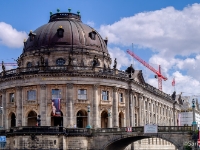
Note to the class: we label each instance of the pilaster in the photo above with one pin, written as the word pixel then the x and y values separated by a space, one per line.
pixel 19 102
pixel 43 106
pixel 96 121
pixel 115 108
pixel 70 118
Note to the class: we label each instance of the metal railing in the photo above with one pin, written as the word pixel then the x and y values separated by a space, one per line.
pixel 49 130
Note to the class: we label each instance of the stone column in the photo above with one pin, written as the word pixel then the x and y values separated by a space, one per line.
pixel 127 103
pixel 19 102
pixel 96 120
pixel 4 120
pixel 43 106
pixel 156 107
pixel 132 124
pixel 70 118
pixel 140 110
pixel 115 108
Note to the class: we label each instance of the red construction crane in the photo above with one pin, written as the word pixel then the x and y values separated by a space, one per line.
pixel 158 73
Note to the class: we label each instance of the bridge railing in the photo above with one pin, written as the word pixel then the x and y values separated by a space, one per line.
pixel 174 128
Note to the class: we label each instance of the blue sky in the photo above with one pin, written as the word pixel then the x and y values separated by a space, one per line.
pixel 165 32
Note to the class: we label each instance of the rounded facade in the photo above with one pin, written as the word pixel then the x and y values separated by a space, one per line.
pixel 64 68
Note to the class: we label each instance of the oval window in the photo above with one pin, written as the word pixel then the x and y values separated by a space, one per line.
pixel 60 61
pixel 29 64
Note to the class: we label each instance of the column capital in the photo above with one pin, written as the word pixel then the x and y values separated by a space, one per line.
pixel 43 86
pixel 18 88
pixel 131 91
pixel 115 89
pixel 95 86
pixel 70 85
pixel 2 91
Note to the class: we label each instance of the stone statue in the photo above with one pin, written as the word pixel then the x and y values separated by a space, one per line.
pixel 115 64
pixel 38 121
pixel 70 60
pixel 42 61
pixel 174 96
pixel 95 61
pixel 3 67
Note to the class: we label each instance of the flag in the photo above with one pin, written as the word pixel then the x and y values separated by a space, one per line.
pixel 173 82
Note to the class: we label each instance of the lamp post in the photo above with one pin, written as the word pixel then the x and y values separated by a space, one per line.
pixel 194 126
pixel 88 118
pixel 109 118
pixel 1 112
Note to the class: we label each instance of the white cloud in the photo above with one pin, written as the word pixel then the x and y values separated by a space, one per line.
pixel 167 31
pixel 123 60
pixel 90 23
pixel 11 37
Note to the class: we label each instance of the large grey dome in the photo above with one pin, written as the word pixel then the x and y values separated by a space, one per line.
pixel 75 35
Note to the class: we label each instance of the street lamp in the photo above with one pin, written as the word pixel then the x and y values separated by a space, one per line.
pixel 194 125
pixel 88 118
pixel 109 118
pixel 1 112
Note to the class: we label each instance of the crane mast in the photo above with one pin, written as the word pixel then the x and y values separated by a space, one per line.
pixel 158 73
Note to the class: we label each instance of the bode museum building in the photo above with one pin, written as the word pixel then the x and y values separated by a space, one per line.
pixel 65 78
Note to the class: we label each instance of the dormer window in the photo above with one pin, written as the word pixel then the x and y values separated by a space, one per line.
pixel 60 31
pixel 29 64
pixel 92 35
pixel 60 61
pixel 32 35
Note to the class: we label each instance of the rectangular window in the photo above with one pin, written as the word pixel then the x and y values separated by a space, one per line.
pixel 82 94
pixel 12 97
pixel 56 93
pixel 105 95
pixel 31 95
pixel 120 97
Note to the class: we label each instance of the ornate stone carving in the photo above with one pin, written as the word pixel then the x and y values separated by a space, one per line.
pixel 43 86
pixel 18 88
pixel 2 91
pixel 95 86
pixel 70 85
pixel 115 89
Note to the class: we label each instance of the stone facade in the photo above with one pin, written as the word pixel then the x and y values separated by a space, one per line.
pixel 80 74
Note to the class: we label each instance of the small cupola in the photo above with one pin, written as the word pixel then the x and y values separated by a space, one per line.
pixel 92 35
pixel 32 35
pixel 60 31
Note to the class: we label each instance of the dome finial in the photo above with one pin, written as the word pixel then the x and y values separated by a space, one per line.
pixel 78 12
pixel 58 10
pixel 69 9
pixel 51 13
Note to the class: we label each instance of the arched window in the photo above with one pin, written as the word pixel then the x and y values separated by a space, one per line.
pixel 29 64
pixel 60 61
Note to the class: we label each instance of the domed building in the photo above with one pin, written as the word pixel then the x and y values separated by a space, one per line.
pixel 65 67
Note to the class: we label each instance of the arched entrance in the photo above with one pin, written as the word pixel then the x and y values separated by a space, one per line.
pixel 81 119
pixel 121 119
pixel 104 119
pixel 32 118
pixel 12 120
pixel 57 120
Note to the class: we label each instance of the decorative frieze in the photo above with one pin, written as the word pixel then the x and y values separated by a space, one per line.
pixel 43 86
pixel 70 85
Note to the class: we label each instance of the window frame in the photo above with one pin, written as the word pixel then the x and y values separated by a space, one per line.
pixel 57 95
pixel 12 97
pixel 32 94
pixel 121 98
pixel 82 96
pixel 106 95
